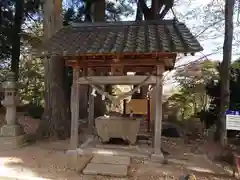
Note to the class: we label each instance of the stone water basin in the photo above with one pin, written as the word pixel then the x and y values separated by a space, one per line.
pixel 117 127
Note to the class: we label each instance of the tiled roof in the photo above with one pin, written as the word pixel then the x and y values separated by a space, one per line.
pixel 123 37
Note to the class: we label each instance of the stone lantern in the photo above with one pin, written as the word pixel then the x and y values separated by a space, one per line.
pixel 10 100
pixel 11 132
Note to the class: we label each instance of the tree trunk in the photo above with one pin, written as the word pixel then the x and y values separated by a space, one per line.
pixel 141 7
pixel 16 37
pixel 57 113
pixel 225 68
pixel 139 14
pixel 99 11
pixel 150 13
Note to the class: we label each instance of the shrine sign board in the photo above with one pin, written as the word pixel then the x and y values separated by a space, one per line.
pixel 233 120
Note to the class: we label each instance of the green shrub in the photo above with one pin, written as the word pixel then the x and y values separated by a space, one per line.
pixel 34 110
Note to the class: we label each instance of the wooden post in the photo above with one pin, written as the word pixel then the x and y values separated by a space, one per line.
pixel 74 109
pixel 148 114
pixel 124 107
pixel 157 153
pixel 90 111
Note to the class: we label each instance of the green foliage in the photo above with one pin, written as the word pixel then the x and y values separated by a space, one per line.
pixel 31 80
pixel 34 110
pixel 213 90
pixel 6 22
pixel 115 11
pixel 30 68
pixel 192 79
pixel 195 75
pixel 180 102
pixel 235 86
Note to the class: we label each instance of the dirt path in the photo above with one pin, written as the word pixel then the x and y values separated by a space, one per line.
pixel 49 162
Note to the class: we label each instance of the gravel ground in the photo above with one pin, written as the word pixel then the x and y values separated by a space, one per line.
pixel 48 161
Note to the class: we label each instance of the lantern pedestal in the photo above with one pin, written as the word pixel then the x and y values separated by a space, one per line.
pixel 12 137
pixel 11 130
pixel 8 143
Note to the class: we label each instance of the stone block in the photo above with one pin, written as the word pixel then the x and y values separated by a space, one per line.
pixel 157 157
pixel 106 170
pixel 11 130
pixel 109 159
pixel 8 143
pixel 77 162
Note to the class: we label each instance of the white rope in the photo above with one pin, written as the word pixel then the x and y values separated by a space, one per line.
pixel 116 100
pixel 94 92
pixel 103 97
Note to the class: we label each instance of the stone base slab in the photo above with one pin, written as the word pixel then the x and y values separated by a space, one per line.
pixel 8 143
pixel 109 159
pixel 76 162
pixel 102 151
pixel 11 130
pixel 106 170
pixel 157 157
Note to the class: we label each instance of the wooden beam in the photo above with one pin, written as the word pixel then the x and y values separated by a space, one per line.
pixel 102 57
pixel 117 80
pixel 124 62
pixel 126 69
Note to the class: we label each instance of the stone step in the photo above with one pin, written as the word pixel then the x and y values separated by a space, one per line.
pixel 106 170
pixel 109 159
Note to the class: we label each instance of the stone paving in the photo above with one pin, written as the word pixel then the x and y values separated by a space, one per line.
pixel 108 165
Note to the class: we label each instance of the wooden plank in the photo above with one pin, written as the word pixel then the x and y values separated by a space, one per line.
pixel 118 80
pixel 138 106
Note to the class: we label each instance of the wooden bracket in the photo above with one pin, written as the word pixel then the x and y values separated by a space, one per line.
pixel 117 70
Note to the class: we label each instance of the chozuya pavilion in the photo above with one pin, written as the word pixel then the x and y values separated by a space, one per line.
pixel 115 48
